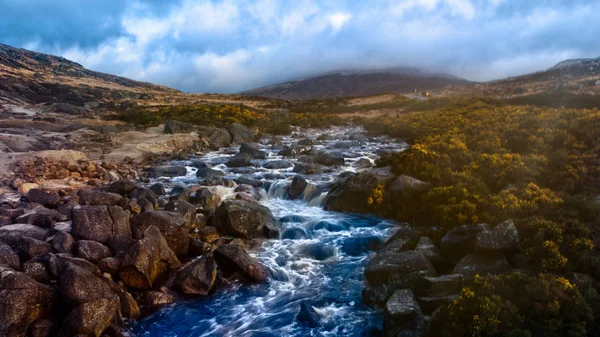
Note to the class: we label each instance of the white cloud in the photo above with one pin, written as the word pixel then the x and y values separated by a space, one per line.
pixel 338 20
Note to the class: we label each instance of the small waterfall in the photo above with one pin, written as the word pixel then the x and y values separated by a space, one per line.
pixel 278 189
pixel 319 201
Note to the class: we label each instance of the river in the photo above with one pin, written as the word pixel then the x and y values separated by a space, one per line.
pixel 318 260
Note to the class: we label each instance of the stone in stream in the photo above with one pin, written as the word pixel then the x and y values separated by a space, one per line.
pixel 239 160
pixel 123 187
pixel 167 171
pixel 240 134
pixel 234 261
pixel 254 150
pixel 206 199
pixel 217 137
pixel 294 233
pixel 24 301
pixel 158 189
pixel 179 192
pixel 297 187
pixel 205 173
pixel 324 158
pixel 307 315
pixel 198 277
pixel 309 168
pixel 246 220
pixel 278 164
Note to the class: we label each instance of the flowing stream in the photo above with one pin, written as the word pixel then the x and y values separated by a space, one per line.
pixel 318 260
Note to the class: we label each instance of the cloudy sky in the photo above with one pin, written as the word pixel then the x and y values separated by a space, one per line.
pixel 232 45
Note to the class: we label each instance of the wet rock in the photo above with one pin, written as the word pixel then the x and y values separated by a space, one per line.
pixel 317 251
pixel 240 134
pixel 355 246
pixel 293 218
pixel 147 259
pixel 141 193
pixel 235 262
pixel 167 171
pixel 46 198
pixel 155 299
pixel 10 231
pixel 78 285
pixel 208 234
pixel 294 233
pixel 8 257
pixel 245 220
pixel 172 226
pixel 307 315
pixel 98 198
pixel 91 250
pixel 249 181
pixel 461 240
pixel 240 160
pixel 146 205
pixel 502 238
pixel 182 207
pixel 179 192
pixel 198 277
pixel 172 126
pixel 324 158
pixel 297 187
pixel 254 150
pixel 198 247
pixel 122 187
pixel 206 199
pixel 90 319
pixel 306 142
pixel 403 316
pixel 205 173
pixel 24 301
pixel 308 168
pixel 278 164
pixel 158 189
pixel 128 305
pixel 363 163
pixel 358 137
pixel 482 265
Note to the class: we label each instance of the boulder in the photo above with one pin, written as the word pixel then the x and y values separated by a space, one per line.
pixel 90 318
pixel 403 316
pixel 217 138
pixel 482 265
pixel 297 187
pixel 246 220
pixel 444 285
pixel 167 171
pixel 24 300
pixel 306 142
pixel 198 277
pixel 179 192
pixel 122 187
pixel 324 158
pixel 199 247
pixel 141 193
pixel 182 207
pixel 78 285
pixel 41 217
pixel 46 198
pixel 308 315
pixel 92 223
pixel 147 259
pixel 172 225
pixel 109 265
pixel 426 247
pixel 205 173
pixel 254 150
pixel 350 194
pixel 208 234
pixel 396 269
pixel 29 248
pixel 11 231
pixel 239 160
pixel 158 189
pixel 153 299
pixel 37 271
pixel 240 134
pixel 8 257
pixel 42 327
pixel 308 168
pixel 278 164
pixel 502 238
pixel 172 126
pixel 363 163
pixel 206 199
pixel 461 240
pixel 129 307
pixel 235 262
pixel 91 250
pixel 99 198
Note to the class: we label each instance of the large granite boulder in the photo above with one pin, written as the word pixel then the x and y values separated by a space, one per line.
pixel 254 150
pixel 172 126
pixel 198 277
pixel 90 318
pixel 8 257
pixel 78 285
pixel 172 225
pixel 240 134
pixel 100 223
pixel 403 316
pixel 46 198
pixel 216 137
pixel 399 269
pixel 502 238
pixel 297 187
pixel 91 250
pixel 246 220
pixel 240 160
pixel 22 301
pixel 149 258
pixel 167 171
pixel 235 262
pixel 482 265
pixel 123 186
pixel 350 194
pixel 99 198
pixel 461 240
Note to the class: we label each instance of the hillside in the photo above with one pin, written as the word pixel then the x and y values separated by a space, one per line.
pixel 357 83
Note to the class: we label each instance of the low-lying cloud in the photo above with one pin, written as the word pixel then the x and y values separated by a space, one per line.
pixel 228 46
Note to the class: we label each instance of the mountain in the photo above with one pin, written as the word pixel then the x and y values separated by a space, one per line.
pixel 347 83
pixel 28 77
pixel 577 77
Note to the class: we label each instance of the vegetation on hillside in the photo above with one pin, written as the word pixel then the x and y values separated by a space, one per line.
pixel 487 161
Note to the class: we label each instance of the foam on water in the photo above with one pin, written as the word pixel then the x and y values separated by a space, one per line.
pixel 321 263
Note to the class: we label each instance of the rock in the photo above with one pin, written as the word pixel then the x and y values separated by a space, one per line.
pixel 430 304
pixel 397 270
pixel 173 228
pixel 278 164
pixel 172 126
pixel 141 193
pixel 23 301
pixel 325 159
pixel 123 187
pixel 198 247
pixel 307 315
pixel 254 150
pixel 147 259
pixel 204 173
pixel 208 234
pixel 297 187
pixel 461 240
pixel 405 183
pixel 29 248
pixel 10 231
pixel 351 194
pixel 167 171
pixel 239 160
pixel 426 247
pixel 98 198
pixel 92 223
pixel 355 246
pixel 155 299
pixel 308 168
pixel 317 251
pixel 158 189
pixel 91 250
pixel 403 316
pixel 182 207
pixel 306 142
pixel 294 233
pixel 206 199
pixel 58 263
pixel 42 327
pixel 502 238
pixel 24 188
pixel 358 137
pixel 363 163
pixel 39 196
pixel 444 285
pixel 179 192
pixel 233 260
pixel 198 277
pixel 129 306
pixel 8 257
pixel 37 271
pixel 217 138
pixel 245 220
pixel 90 318
pixel 240 134
pixel 482 265
pixel 109 265
pixel 121 234
pixel 78 285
